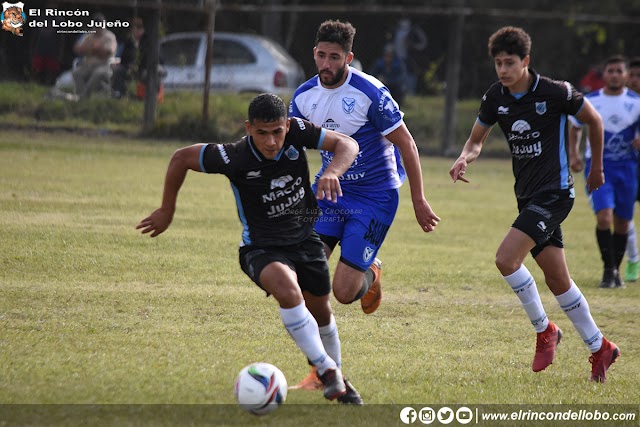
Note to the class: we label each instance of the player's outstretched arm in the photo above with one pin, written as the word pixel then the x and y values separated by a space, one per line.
pixel 182 160
pixel 595 131
pixel 402 138
pixel 470 151
pixel 344 149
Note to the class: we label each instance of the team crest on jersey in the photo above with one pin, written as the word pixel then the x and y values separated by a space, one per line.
pixel 367 254
pixel 541 107
pixel 292 153
pixel 348 104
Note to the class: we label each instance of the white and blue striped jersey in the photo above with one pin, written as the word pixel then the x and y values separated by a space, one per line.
pixel 363 109
pixel 621 120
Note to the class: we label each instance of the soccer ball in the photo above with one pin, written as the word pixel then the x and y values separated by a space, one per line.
pixel 260 388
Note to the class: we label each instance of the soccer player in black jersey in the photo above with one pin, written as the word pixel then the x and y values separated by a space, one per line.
pixel 280 251
pixel 532 112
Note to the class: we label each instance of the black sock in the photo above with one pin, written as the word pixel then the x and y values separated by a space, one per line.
pixel 619 248
pixel 605 242
pixel 366 284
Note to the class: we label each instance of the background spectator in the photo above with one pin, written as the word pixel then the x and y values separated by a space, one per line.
pixel 391 71
pixel 93 74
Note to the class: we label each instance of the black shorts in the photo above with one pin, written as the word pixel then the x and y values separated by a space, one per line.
pixel 307 259
pixel 541 215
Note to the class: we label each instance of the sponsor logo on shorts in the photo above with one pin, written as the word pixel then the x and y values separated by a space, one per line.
pixel 367 254
pixel 376 233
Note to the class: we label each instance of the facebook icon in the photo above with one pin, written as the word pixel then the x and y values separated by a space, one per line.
pixel 408 415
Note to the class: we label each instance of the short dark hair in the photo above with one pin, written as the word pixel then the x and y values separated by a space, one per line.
pixel 267 107
pixel 334 31
pixel 511 40
pixel 634 62
pixel 615 59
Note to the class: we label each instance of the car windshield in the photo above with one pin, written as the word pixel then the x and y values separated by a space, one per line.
pixel 276 51
pixel 230 52
pixel 180 52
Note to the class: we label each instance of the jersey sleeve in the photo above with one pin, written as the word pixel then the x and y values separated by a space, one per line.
pixel 294 111
pixel 297 107
pixel 303 133
pixel 488 115
pixel 572 99
pixel 575 122
pixel 217 158
pixel 384 113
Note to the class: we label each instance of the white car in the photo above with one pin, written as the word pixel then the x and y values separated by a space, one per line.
pixel 240 63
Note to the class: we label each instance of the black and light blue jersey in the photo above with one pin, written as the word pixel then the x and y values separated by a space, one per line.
pixel 363 109
pixel 274 199
pixel 535 126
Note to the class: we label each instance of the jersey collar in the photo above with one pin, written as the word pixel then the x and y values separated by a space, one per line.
pixel 257 153
pixel 532 88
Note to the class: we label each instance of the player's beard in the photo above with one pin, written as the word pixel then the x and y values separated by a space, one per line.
pixel 333 80
pixel 615 87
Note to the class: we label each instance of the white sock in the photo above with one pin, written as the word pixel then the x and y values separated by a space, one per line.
pixel 331 341
pixel 576 308
pixel 632 244
pixel 303 328
pixel 524 286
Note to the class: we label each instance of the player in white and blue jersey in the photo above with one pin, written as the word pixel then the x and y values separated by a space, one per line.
pixel 348 101
pixel 632 272
pixel 613 202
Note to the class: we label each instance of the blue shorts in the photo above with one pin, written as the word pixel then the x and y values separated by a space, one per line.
pixel 359 222
pixel 619 190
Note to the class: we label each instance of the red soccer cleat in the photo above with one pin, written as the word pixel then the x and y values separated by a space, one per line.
pixel 546 344
pixel 602 359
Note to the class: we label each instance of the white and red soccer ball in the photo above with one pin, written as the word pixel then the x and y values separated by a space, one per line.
pixel 260 388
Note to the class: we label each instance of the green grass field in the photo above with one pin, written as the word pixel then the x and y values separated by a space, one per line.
pixel 92 312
